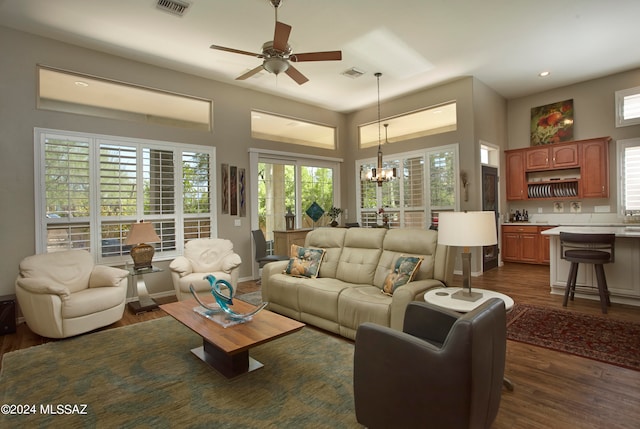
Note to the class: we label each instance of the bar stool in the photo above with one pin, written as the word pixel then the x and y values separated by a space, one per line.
pixel 596 249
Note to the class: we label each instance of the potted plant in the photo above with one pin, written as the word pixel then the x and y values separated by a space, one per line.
pixel 333 213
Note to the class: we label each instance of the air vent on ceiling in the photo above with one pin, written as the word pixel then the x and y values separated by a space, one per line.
pixel 175 7
pixel 353 73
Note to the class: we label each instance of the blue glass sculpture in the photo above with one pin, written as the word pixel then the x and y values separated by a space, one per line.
pixel 224 301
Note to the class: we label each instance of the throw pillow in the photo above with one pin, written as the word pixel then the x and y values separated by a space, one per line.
pixel 304 262
pixel 402 273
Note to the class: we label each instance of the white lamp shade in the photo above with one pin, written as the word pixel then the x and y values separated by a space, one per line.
pixel 467 229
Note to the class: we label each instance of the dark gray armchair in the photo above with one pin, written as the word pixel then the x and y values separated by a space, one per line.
pixel 445 370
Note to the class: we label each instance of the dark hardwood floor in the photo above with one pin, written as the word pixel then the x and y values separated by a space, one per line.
pixel 552 389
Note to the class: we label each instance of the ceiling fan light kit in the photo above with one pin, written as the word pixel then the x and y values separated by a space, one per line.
pixel 277 53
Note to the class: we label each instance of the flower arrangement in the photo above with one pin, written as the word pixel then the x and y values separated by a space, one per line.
pixel 333 213
pixel 385 216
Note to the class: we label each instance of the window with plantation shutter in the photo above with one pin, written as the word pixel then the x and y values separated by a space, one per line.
pixel 65 187
pixel 196 183
pixel 426 186
pixel 629 167
pixel 628 107
pixel 95 187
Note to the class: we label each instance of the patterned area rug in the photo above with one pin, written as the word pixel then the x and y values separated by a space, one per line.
pixel 253 298
pixel 144 375
pixel 595 337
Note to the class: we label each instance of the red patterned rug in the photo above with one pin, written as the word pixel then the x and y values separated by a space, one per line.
pixel 595 337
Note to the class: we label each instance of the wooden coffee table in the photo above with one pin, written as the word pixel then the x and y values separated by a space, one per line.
pixel 227 349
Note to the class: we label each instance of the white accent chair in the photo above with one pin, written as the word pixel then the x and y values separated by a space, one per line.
pixel 62 294
pixel 204 256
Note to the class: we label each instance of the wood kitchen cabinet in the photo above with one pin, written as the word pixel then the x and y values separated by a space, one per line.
pixel 524 243
pixel 515 175
pixel 552 156
pixel 571 170
pixel 595 161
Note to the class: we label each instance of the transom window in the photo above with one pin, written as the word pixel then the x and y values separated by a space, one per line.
pixel 91 188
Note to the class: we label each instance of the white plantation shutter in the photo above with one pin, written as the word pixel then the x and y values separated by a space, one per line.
pixel 413 192
pixel 67 193
pixel 97 186
pixel 426 185
pixel 628 107
pixel 631 177
pixel 196 183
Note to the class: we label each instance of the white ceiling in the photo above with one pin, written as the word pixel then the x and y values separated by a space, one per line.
pixel 414 43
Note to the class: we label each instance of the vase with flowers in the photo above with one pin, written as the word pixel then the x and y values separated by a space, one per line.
pixel 385 217
pixel 334 213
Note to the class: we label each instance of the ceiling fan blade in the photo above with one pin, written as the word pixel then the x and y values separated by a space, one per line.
pixel 281 36
pixel 317 56
pixel 235 51
pixel 250 73
pixel 296 75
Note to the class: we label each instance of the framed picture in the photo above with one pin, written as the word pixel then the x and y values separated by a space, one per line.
pixel 233 194
pixel 224 188
pixel 552 123
pixel 241 192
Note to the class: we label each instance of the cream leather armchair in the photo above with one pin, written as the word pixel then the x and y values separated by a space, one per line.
pixel 204 256
pixel 63 294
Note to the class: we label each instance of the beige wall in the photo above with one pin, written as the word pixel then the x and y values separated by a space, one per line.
pixel 594 115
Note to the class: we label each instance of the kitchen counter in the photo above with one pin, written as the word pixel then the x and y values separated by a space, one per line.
pixel 618 230
pixel 623 275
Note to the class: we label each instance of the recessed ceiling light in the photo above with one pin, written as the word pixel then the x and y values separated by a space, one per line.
pixel 81 83
pixel 544 74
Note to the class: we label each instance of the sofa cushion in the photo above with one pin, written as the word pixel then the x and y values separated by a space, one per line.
pixel 211 254
pixel 409 242
pixel 360 255
pixel 69 269
pixel 304 262
pixel 402 273
pixel 331 240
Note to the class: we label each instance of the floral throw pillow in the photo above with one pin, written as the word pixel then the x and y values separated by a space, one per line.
pixel 402 273
pixel 304 262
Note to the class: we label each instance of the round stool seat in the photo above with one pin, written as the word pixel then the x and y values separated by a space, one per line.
pixel 595 249
pixel 587 256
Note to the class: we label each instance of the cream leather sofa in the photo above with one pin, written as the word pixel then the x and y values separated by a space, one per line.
pixel 63 294
pixel 204 256
pixel 348 288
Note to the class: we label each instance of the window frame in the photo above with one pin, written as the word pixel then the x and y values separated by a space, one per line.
pixel 96 220
pixel 401 210
pixel 621 146
pixel 620 107
pixel 257 156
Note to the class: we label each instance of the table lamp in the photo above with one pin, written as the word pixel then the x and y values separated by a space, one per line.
pixel 467 229
pixel 139 234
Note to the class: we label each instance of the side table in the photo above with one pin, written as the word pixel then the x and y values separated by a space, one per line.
pixel 144 302
pixel 442 298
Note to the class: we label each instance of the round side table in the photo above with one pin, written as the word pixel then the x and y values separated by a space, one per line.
pixel 442 298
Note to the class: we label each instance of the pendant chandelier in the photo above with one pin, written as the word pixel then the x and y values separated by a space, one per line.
pixel 380 175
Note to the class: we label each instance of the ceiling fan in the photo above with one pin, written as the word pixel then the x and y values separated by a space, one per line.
pixel 277 53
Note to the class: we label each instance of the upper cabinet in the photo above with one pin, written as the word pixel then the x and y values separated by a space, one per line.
pixel 552 156
pixel 578 169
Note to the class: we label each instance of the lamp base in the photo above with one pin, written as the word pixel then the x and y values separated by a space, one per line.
pixel 465 295
pixel 142 256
